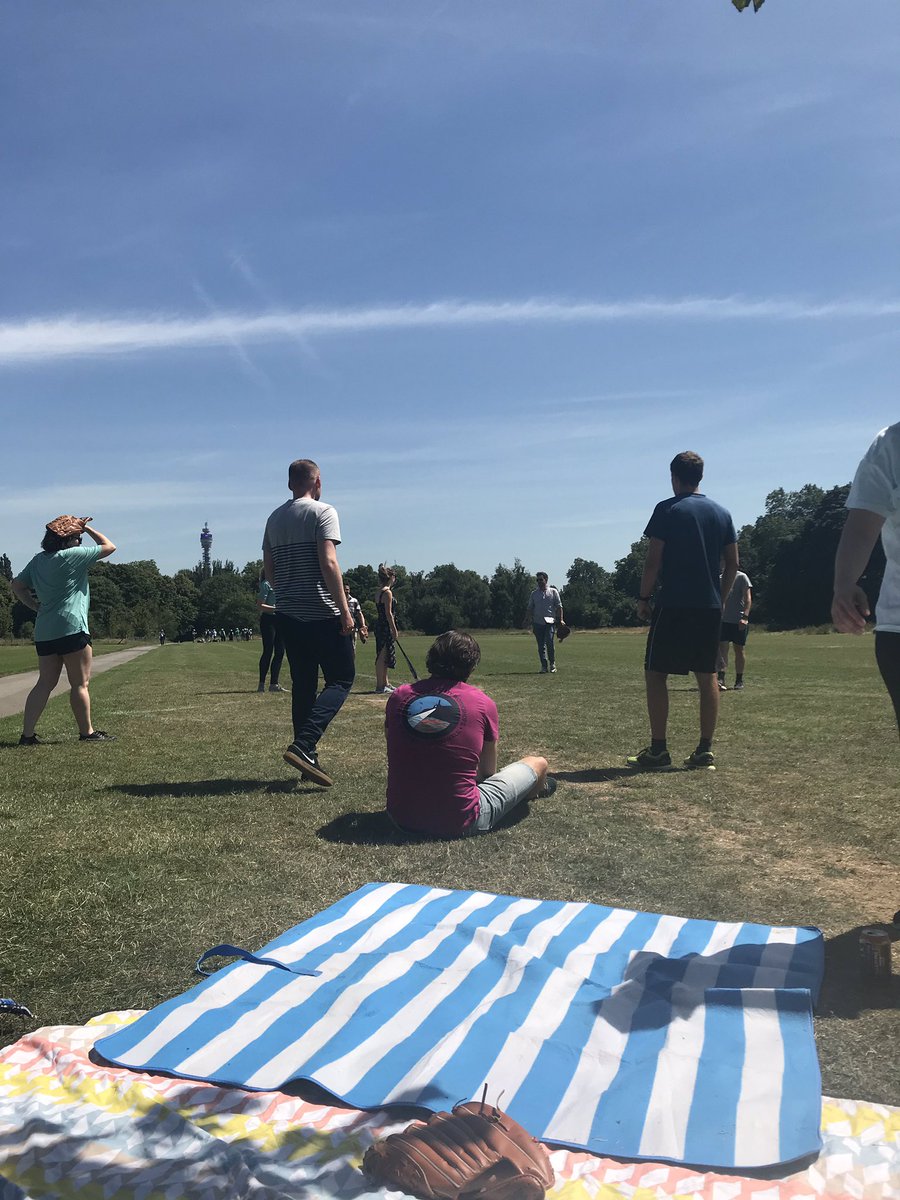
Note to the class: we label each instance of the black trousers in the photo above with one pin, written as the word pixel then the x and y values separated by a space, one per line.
pixel 309 646
pixel 887 655
pixel 273 648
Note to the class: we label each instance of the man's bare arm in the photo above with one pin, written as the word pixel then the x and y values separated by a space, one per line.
pixel 730 554
pixel 850 605
pixel 487 762
pixel 652 565
pixel 334 581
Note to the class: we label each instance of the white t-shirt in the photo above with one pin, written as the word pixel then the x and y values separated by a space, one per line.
pixel 876 488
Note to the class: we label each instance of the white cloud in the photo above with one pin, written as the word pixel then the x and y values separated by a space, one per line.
pixel 66 337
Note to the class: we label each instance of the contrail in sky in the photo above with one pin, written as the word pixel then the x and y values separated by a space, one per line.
pixel 70 336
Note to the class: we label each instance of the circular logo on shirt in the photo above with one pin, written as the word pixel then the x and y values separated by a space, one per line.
pixel 431 716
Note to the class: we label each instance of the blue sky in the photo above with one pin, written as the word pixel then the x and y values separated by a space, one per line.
pixel 491 264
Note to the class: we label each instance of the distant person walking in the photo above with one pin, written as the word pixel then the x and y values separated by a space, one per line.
pixel 544 614
pixel 300 560
pixel 273 646
pixel 359 618
pixel 874 508
pixel 690 535
pixel 385 629
pixel 55 585
pixel 735 627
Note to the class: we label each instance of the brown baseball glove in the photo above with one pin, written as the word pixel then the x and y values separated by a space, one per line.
pixel 562 631
pixel 476 1152
pixel 66 526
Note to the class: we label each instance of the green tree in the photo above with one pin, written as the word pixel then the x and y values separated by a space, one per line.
pixel 6 571
pixel 224 602
pixel 509 590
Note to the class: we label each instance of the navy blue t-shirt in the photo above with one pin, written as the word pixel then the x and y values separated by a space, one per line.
pixel 695 531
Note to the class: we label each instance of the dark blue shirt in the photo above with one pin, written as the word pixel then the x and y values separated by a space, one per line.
pixel 695 531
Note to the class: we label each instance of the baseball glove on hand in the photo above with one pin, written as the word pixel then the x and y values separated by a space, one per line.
pixel 476 1152
pixel 562 631
pixel 66 526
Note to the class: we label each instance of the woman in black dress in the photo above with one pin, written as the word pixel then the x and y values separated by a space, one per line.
pixel 385 629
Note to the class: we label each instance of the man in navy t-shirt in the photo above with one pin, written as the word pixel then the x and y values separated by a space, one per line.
pixel 689 536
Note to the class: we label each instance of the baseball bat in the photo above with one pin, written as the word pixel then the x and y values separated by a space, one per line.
pixel 406 656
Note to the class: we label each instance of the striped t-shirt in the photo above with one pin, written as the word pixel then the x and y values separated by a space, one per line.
pixel 292 537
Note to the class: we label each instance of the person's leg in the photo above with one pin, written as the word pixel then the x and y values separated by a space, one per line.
pixel 551 645
pixel 657 704
pixel 49 669
pixel 501 793
pixel 709 704
pixel 540 638
pixel 267 632
pixel 887 655
pixel 277 658
pixel 722 663
pixel 78 669
pixel 334 652
pixel 304 669
pixel 740 660
pixel 381 668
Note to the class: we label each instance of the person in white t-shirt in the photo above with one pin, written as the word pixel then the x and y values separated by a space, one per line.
pixel 874 508
pixel 544 613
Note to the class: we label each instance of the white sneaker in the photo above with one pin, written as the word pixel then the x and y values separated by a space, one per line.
pixel 553 669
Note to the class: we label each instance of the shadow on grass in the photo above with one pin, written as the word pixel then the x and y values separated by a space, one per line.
pixel 596 774
pixel 845 993
pixel 205 787
pixel 377 829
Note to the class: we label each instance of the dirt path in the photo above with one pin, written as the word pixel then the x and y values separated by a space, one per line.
pixel 15 688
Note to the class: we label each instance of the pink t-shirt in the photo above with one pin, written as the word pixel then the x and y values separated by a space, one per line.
pixel 435 731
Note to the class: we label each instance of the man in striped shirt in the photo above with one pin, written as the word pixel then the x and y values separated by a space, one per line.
pixel 313 617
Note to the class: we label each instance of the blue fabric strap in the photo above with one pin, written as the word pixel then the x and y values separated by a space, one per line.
pixel 226 951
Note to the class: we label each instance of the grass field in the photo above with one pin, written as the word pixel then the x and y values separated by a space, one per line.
pixel 16 658
pixel 119 863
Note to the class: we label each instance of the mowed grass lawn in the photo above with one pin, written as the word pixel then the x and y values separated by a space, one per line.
pixel 17 658
pixel 120 863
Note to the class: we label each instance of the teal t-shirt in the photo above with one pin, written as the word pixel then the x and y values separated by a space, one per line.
pixel 266 593
pixel 60 582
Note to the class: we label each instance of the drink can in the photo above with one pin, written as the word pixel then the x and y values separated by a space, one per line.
pixel 875 955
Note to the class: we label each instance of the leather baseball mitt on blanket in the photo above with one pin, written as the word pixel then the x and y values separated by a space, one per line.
pixel 476 1152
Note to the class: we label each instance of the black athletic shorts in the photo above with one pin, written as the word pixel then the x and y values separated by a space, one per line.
pixel 733 632
pixel 63 645
pixel 887 655
pixel 682 640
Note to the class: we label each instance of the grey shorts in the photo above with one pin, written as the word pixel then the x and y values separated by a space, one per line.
pixel 499 794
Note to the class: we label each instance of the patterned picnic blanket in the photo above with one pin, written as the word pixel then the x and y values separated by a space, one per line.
pixel 71 1129
pixel 624 1033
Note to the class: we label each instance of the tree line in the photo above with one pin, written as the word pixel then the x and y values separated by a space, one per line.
pixel 788 552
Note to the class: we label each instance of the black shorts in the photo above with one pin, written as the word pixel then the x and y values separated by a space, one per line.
pixel 887 655
pixel 682 640
pixel 733 632
pixel 64 645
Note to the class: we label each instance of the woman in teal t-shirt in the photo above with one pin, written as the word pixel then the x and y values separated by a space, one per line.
pixel 55 585
pixel 273 646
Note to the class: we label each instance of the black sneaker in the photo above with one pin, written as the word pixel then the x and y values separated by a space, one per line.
pixel 99 735
pixel 548 789
pixel 307 762
pixel 34 740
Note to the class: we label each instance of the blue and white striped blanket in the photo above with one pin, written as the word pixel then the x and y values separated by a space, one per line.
pixel 627 1034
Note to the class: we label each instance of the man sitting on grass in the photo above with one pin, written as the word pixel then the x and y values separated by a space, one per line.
pixel 442 750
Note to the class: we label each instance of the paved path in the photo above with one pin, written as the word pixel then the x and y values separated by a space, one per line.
pixel 15 688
